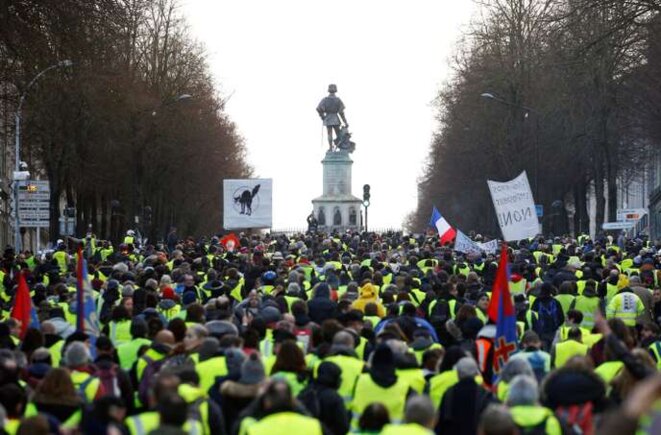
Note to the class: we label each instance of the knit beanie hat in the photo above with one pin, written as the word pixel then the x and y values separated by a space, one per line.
pixel 252 371
pixel 234 359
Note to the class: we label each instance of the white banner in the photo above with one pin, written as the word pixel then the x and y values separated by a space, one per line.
pixel 489 247
pixel 515 208
pixel 247 203
pixel 462 243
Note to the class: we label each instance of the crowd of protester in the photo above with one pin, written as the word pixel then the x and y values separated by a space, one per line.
pixel 332 334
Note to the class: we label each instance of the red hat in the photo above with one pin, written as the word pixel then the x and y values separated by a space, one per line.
pixel 168 293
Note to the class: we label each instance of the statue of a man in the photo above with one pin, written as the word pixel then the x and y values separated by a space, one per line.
pixel 331 111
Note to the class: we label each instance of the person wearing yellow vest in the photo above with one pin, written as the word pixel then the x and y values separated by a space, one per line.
pixel 573 319
pixel 14 399
pixel 382 385
pixel 343 354
pixel 77 359
pixel 62 259
pixel 204 410
pixel 119 328
pixel 587 303
pixel 322 400
pixel 625 305
pixel 163 395
pixel 419 418
pixel 609 288
pixel 564 351
pixel 528 415
pixel 278 416
pixel 128 352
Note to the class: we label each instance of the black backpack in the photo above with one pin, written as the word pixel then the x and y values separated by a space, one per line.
pixel 310 399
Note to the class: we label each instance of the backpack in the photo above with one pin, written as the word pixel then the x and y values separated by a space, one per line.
pixel 153 367
pixel 547 315
pixel 310 399
pixel 578 418
pixel 83 386
pixel 538 429
pixel 108 378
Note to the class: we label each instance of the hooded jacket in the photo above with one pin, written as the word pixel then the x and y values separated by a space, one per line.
pixel 321 307
pixel 367 294
pixel 322 400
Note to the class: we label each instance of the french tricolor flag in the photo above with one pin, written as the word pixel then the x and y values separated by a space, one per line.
pixel 445 231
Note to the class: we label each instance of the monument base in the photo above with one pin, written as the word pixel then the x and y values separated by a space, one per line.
pixel 337 209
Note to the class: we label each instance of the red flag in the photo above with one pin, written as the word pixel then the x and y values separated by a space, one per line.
pixel 22 309
pixel 230 242
pixel 500 293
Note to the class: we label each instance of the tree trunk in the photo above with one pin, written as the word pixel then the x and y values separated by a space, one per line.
pixel 599 196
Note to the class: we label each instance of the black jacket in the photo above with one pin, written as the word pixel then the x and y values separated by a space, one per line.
pixel 321 307
pixel 323 402
pixel 461 408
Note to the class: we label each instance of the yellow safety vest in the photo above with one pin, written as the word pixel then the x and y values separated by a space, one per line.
pixel 146 422
pixel 565 301
pixel 587 306
pixel 86 384
pixel 609 370
pixel 285 423
pixel 518 288
pixel 405 429
pixel 120 332
pixel 128 352
pixel 368 392
pixel 625 306
pixel 351 368
pixel 655 348
pixel 531 416
pixel 415 378
pixel 209 369
pixel 567 349
pixel 611 291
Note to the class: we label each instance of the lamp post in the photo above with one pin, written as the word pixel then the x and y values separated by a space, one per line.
pixel 527 110
pixel 18 174
pixel 138 205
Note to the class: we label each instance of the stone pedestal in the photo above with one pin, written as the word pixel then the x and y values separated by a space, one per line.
pixel 337 209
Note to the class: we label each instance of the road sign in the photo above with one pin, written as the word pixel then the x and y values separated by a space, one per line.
pixel 630 214
pixel 618 225
pixel 539 208
pixel 34 203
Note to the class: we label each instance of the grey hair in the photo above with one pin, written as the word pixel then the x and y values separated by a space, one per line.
pixel 420 410
pixel 77 354
pixel 466 367
pixel 523 390
pixel 514 367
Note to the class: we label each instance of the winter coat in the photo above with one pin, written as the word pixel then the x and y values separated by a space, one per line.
pixel 322 400
pixel 367 295
pixel 321 307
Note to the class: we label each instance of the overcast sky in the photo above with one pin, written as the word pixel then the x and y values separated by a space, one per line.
pixel 275 59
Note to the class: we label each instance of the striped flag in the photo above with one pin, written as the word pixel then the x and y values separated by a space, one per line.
pixel 445 231
pixel 87 320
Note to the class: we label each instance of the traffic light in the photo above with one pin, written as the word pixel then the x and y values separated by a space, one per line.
pixel 366 193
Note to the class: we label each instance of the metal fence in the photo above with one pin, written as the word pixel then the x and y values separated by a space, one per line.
pixel 301 230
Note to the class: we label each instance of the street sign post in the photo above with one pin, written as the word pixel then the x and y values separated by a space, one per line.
pixel 618 225
pixel 630 214
pixel 34 203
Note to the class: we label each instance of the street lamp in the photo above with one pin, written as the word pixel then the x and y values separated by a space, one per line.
pixel 20 174
pixel 181 97
pixel 527 110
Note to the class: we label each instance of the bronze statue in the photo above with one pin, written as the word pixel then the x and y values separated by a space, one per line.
pixel 331 111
